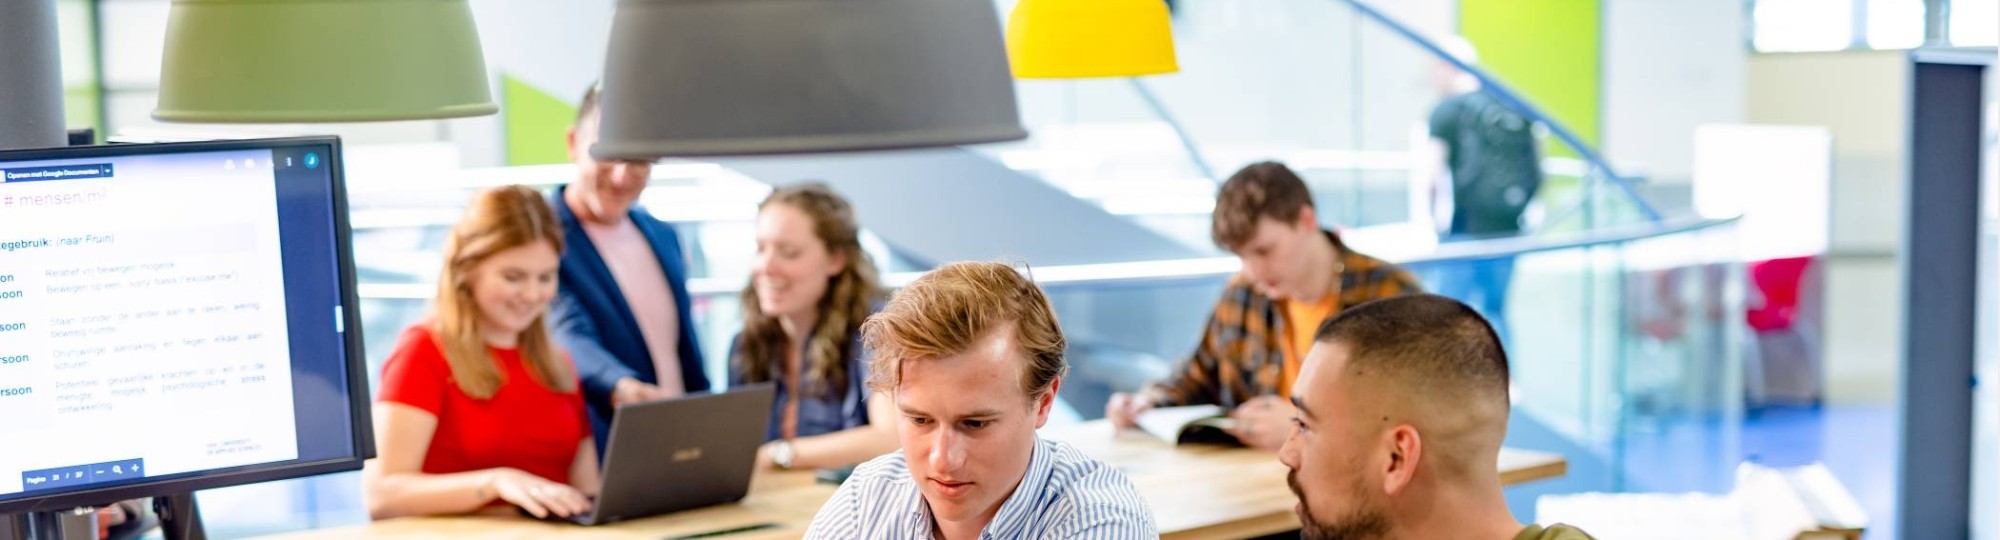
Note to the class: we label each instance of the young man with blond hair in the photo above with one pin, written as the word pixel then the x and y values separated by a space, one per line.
pixel 972 357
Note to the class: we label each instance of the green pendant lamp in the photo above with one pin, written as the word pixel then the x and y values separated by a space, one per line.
pixel 710 77
pixel 321 61
pixel 1074 39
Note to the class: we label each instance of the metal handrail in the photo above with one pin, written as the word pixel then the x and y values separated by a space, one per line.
pixel 1187 270
pixel 1505 94
pixel 1180 132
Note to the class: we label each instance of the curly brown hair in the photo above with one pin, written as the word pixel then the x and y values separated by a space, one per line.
pixel 850 296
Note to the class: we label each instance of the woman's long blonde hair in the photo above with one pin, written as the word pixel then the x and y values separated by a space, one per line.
pixel 850 296
pixel 498 219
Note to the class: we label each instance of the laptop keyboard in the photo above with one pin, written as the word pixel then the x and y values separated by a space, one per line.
pixel 580 519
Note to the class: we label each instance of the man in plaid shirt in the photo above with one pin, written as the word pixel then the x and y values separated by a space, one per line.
pixel 1295 276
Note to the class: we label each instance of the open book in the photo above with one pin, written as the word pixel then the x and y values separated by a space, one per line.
pixel 1198 424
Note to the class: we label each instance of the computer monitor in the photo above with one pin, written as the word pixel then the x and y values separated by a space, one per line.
pixel 175 317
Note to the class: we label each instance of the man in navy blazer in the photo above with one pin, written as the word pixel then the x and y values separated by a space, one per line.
pixel 621 307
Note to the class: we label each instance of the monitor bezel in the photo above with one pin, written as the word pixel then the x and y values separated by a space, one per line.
pixel 359 400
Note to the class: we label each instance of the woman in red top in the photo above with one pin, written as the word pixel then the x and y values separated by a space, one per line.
pixel 477 405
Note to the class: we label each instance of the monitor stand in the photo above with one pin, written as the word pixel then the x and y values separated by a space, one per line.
pixel 179 519
pixel 71 524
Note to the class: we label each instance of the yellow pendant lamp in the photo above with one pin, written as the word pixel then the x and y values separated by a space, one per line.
pixel 1075 39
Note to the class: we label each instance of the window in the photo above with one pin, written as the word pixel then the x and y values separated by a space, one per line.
pixel 1973 22
pixel 1802 25
pixel 1895 24
pixel 1832 25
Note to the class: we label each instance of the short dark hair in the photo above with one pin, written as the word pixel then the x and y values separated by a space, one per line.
pixel 1422 341
pixel 588 106
pixel 1266 189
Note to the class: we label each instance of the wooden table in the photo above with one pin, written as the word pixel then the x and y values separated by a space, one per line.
pixel 1196 492
pixel 1200 492
pixel 788 499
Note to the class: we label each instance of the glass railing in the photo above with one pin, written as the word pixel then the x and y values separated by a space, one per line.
pixel 1341 91
pixel 1626 358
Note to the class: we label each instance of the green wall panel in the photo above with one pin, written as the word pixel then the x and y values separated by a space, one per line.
pixel 81 105
pixel 83 94
pixel 1548 50
pixel 535 122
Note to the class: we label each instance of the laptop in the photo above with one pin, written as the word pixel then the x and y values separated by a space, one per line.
pixel 677 454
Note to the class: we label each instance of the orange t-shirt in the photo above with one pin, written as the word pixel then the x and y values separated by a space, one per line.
pixel 1302 320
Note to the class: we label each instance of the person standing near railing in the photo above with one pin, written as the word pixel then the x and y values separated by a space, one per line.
pixel 1486 169
pixel 622 310
pixel 1295 275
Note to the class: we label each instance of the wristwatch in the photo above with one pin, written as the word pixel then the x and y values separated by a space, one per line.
pixel 781 453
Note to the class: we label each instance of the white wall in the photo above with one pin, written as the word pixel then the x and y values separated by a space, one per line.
pixel 1669 65
pixel 557 47
pixel 1271 75
pixel 1986 415
pixel 1863 97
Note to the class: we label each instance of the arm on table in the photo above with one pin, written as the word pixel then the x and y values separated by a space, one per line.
pixel 394 484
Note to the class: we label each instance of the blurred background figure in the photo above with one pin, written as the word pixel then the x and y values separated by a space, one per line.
pixel 1486 170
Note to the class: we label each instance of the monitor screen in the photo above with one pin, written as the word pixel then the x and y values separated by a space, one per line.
pixel 175 317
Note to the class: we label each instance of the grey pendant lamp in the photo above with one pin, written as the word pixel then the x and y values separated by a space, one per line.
pixel 721 77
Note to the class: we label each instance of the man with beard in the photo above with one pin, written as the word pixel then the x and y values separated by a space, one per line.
pixel 1402 406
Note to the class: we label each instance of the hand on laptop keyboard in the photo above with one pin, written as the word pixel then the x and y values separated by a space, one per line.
pixel 582 518
pixel 537 496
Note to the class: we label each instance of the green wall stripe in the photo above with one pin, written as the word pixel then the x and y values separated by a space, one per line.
pixel 81 105
pixel 1549 50
pixel 535 122
pixel 83 93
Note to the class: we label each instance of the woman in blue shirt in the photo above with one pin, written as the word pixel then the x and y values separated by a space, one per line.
pixel 810 287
